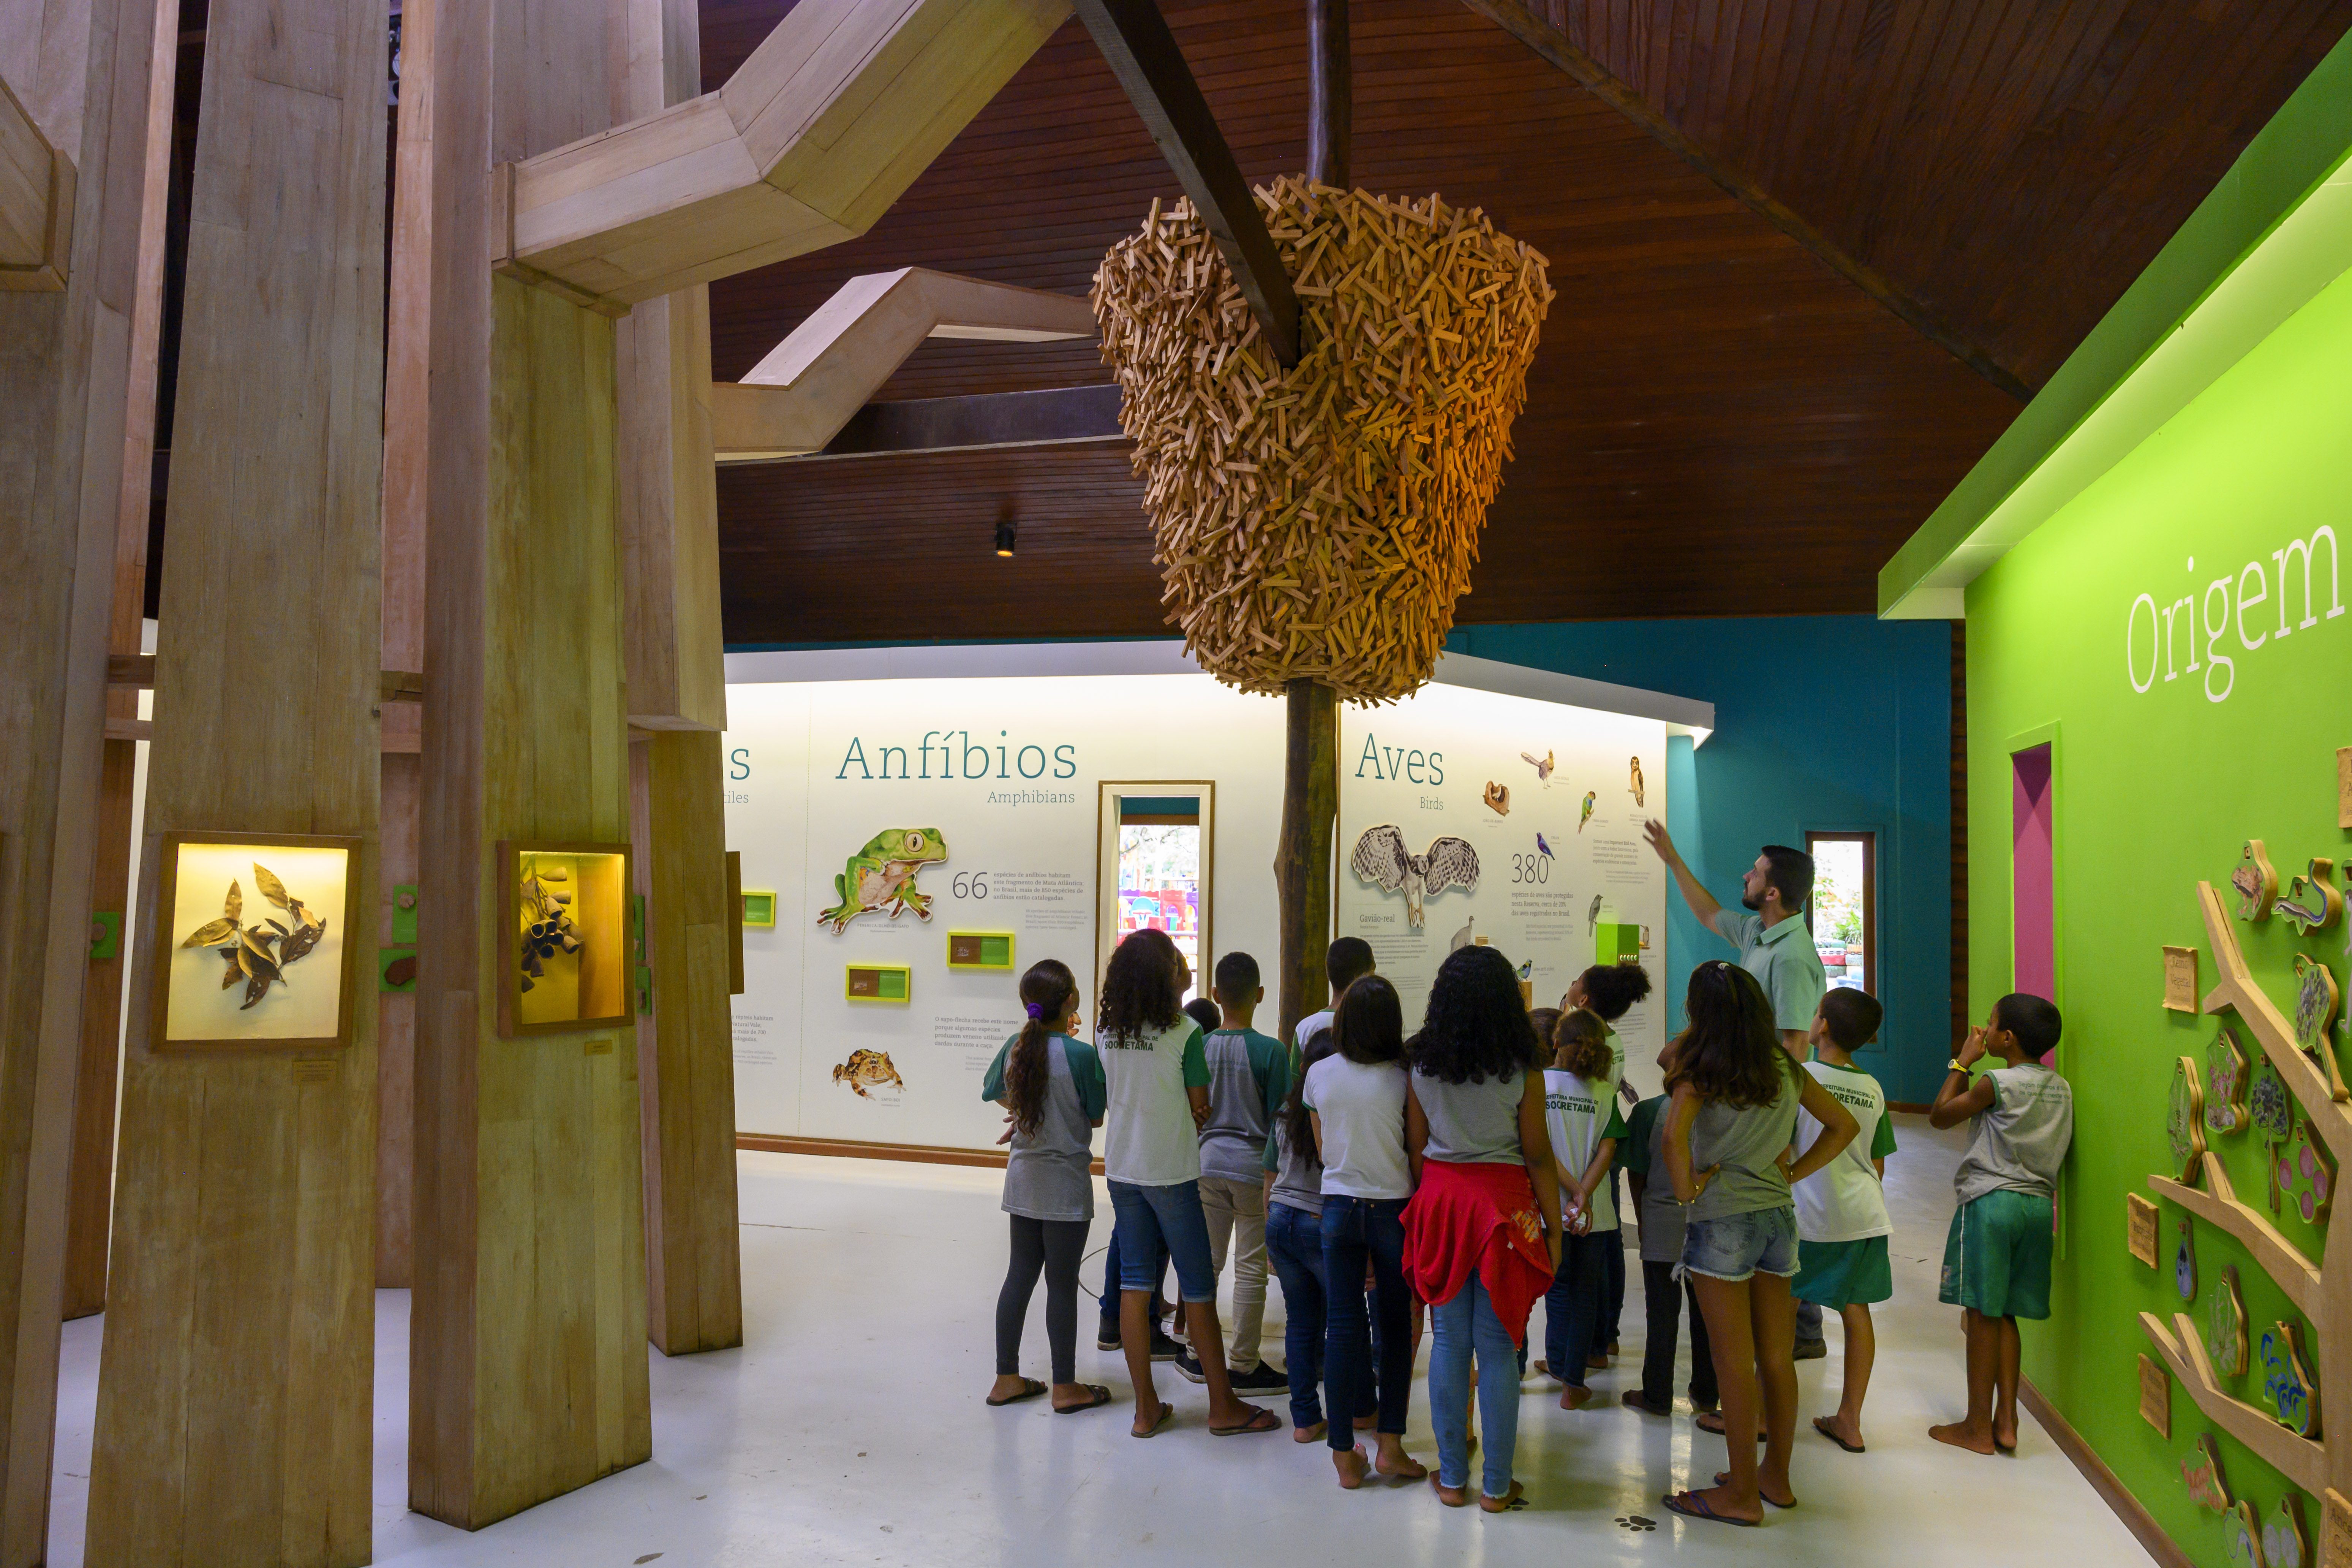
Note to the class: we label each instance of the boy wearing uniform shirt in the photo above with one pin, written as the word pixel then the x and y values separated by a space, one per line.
pixel 1842 1219
pixel 1349 960
pixel 1249 1078
pixel 1580 1115
pixel 1997 1258
pixel 1661 1219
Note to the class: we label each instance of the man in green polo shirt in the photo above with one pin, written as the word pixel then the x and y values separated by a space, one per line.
pixel 1775 947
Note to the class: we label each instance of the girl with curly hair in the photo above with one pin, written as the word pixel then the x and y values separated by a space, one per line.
pixel 1051 1087
pixel 1730 1121
pixel 1157 1096
pixel 1483 1231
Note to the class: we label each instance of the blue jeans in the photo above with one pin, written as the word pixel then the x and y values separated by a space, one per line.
pixel 1355 1229
pixel 1111 1286
pixel 1456 1327
pixel 1573 1306
pixel 1152 1219
pixel 1294 1244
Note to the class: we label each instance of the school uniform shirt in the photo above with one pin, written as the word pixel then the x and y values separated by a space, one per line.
pixel 1579 1112
pixel 2019 1142
pixel 1783 961
pixel 1471 1124
pixel 1744 1143
pixel 1249 1078
pixel 1363 1112
pixel 1298 1173
pixel 1844 1200
pixel 1308 1024
pixel 1149 1139
pixel 1047 1176
pixel 1644 1152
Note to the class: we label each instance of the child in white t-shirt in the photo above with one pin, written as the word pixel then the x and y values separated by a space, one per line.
pixel 1581 1112
pixel 1842 1219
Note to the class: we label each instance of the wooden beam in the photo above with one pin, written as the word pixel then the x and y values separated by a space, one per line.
pixel 68 382
pixel 811 140
pixel 1517 19
pixel 1134 37
pixel 36 202
pixel 237 1381
pixel 1330 95
pixel 797 398
pixel 1062 417
pixel 2183 1350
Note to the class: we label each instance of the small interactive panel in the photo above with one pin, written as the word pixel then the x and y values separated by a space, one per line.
pixel 980 950
pixel 878 982
pixel 759 907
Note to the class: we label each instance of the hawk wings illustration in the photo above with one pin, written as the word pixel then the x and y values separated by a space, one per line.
pixel 1382 859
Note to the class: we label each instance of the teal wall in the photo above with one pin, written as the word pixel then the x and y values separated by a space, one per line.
pixel 1822 722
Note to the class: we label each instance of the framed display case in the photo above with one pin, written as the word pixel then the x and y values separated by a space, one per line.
pixel 759 907
pixel 981 949
pixel 878 982
pixel 563 937
pixel 253 947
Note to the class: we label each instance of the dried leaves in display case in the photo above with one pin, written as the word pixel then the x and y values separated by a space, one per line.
pixel 259 954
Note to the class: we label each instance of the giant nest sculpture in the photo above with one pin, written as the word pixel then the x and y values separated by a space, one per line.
pixel 1319 522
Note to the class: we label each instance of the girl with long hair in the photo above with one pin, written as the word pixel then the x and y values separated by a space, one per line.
pixel 1157 1078
pixel 1294 1244
pixel 1051 1087
pixel 1483 1231
pixel 1355 1103
pixel 1731 1118
pixel 1581 1116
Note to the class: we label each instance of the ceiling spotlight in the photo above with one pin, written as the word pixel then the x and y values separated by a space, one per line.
pixel 1004 537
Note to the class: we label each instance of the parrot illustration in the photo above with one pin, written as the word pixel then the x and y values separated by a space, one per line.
pixel 1590 796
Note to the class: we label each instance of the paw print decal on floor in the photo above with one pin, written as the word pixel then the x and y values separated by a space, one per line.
pixel 1636 1522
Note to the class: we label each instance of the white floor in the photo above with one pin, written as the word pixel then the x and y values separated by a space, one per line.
pixel 851 1430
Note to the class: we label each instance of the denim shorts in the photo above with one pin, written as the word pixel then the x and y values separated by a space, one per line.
pixel 1151 1220
pixel 1737 1246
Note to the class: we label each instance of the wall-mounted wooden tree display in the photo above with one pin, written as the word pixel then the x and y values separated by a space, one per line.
pixel 2286 1431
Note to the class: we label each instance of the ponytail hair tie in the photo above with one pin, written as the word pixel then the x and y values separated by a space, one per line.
pixel 1036 1011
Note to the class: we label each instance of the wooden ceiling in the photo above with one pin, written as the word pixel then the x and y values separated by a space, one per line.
pixel 1757 380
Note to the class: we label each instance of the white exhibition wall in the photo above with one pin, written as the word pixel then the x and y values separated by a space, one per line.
pixel 1000 773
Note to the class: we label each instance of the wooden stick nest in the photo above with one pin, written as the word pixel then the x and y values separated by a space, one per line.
pixel 1319 522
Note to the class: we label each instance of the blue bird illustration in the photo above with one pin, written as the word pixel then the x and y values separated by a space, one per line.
pixel 1542 846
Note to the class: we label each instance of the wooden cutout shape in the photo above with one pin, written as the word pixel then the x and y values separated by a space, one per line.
pixel 2225 1325
pixel 2285 1545
pixel 2140 1228
pixel 2185 1121
pixel 2344 786
pixel 2242 1537
pixel 2269 1105
pixel 2316 998
pixel 2335 1530
pixel 2287 1385
pixel 2181 994
pixel 2312 902
pixel 2225 1084
pixel 2184 1261
pixel 2202 1472
pixel 2155 1396
pixel 2305 1175
pixel 2256 882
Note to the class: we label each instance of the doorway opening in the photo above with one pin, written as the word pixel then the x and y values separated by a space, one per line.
pixel 1158 853
pixel 1843 914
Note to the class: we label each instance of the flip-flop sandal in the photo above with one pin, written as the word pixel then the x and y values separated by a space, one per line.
pixel 1719 1429
pixel 1722 1478
pixel 1821 1426
pixel 1030 1389
pixel 1100 1397
pixel 1690 1504
pixel 1260 1421
pixel 1167 1413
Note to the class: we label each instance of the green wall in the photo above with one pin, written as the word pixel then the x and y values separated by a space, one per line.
pixel 2155 790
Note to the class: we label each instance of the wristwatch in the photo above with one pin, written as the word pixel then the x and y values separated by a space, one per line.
pixel 1954 1066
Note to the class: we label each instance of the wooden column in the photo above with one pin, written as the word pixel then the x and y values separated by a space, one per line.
pixel 1310 777
pixel 677 696
pixel 527 1367
pixel 84 74
pixel 91 1181
pixel 407 326
pixel 235 1384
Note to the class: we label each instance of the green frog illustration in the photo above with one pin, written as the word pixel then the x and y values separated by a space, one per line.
pixel 882 875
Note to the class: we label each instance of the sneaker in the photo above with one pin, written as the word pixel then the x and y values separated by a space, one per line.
pixel 1817 1351
pixel 1165 1349
pixel 1106 1337
pixel 1189 1367
pixel 1262 1379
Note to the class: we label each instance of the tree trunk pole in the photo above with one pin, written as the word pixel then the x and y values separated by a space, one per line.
pixel 1310 777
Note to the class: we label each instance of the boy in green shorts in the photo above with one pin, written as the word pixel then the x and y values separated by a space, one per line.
pixel 1997 1258
pixel 1841 1220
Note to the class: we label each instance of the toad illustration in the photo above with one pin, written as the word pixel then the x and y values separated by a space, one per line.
pixel 882 875
pixel 865 1067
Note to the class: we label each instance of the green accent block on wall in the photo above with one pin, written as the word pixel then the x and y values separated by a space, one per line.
pixel 105 934
pixel 1616 942
pixel 403 915
pixel 878 982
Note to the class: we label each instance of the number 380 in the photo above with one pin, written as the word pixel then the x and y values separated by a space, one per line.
pixel 1530 868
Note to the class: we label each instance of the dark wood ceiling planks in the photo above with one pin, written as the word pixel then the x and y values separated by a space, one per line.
pixel 1717 423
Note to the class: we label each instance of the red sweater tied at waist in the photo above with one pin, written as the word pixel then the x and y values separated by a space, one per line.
pixel 1481 1217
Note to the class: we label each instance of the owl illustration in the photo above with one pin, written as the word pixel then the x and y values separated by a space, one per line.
pixel 1382 858
pixel 1636 783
